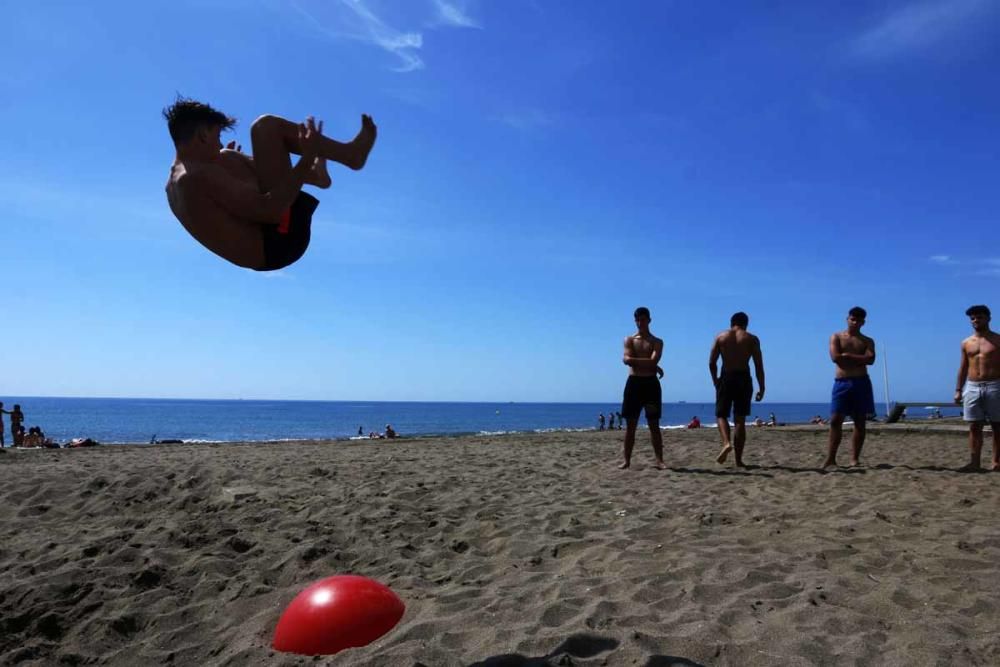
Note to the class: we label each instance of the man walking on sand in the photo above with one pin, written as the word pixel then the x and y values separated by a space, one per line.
pixel 852 352
pixel 734 388
pixel 978 386
pixel 642 355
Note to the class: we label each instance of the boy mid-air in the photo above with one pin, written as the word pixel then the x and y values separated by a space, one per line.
pixel 251 210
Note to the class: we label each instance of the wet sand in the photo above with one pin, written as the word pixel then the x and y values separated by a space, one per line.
pixel 508 551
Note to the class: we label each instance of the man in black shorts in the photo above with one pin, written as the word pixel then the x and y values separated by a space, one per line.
pixel 734 388
pixel 642 355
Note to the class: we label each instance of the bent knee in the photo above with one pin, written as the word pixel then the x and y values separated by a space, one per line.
pixel 265 123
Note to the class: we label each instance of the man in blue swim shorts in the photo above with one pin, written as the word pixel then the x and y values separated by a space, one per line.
pixel 852 352
pixel 978 386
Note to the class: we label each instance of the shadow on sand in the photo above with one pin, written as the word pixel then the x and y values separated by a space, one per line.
pixel 578 646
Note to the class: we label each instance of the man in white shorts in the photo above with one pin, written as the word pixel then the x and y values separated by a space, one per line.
pixel 978 386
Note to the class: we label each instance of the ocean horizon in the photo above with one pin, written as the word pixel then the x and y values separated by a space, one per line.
pixel 140 420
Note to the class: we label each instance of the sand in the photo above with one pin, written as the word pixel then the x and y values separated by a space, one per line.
pixel 508 551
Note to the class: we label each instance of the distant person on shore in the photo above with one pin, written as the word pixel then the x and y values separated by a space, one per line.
pixel 734 388
pixel 2 413
pixel 600 422
pixel 620 421
pixel 694 423
pixel 772 420
pixel 757 421
pixel 389 432
pixel 361 430
pixel 852 352
pixel 611 421
pixel 643 352
pixel 978 386
pixel 17 425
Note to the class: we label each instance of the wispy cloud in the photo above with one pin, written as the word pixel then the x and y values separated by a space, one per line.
pixel 919 25
pixel 357 20
pixel 526 119
pixel 451 14
pixel 989 266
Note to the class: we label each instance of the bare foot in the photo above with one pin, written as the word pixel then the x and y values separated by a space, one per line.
pixel 362 144
pixel 318 175
pixel 970 467
pixel 996 466
pixel 660 465
pixel 740 464
pixel 829 463
pixel 623 465
pixel 721 458
pixel 855 463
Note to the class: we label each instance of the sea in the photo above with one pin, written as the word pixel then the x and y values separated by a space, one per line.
pixel 140 420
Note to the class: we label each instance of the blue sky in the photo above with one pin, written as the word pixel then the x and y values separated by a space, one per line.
pixel 542 169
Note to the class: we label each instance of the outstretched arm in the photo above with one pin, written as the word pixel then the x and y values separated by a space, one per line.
pixel 713 362
pixel 758 367
pixel 963 373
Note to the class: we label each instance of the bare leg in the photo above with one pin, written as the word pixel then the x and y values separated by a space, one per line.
pixel 656 436
pixel 726 442
pixel 857 440
pixel 996 445
pixel 836 430
pixel 630 426
pixel 740 439
pixel 274 139
pixel 975 446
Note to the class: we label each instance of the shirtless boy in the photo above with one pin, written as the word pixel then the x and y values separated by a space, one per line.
pixel 852 352
pixel 251 210
pixel 978 386
pixel 642 355
pixel 734 388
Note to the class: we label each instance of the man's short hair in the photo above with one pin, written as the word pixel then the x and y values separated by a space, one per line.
pixel 739 319
pixel 185 117
pixel 978 309
pixel 858 313
pixel 641 311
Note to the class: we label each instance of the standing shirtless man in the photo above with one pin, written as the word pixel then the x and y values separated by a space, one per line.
pixel 251 210
pixel 852 352
pixel 978 386
pixel 643 352
pixel 734 388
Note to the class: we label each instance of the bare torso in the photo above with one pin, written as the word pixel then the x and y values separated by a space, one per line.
pixel 736 347
pixel 642 347
pixel 852 344
pixel 239 241
pixel 983 355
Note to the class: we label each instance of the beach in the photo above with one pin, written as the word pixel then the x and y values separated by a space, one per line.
pixel 509 550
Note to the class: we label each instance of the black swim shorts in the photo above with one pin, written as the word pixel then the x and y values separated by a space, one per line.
pixel 286 242
pixel 642 393
pixel 733 394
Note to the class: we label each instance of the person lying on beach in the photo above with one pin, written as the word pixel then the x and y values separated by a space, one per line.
pixel 642 355
pixel 978 386
pixel 851 352
pixel 734 388
pixel 250 210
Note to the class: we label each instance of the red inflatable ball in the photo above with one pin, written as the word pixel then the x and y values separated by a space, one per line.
pixel 344 611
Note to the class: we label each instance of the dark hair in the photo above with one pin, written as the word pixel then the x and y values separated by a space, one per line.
pixel 979 309
pixel 185 117
pixel 739 319
pixel 858 312
pixel 641 311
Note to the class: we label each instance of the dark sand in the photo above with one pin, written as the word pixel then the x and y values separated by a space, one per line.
pixel 508 551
